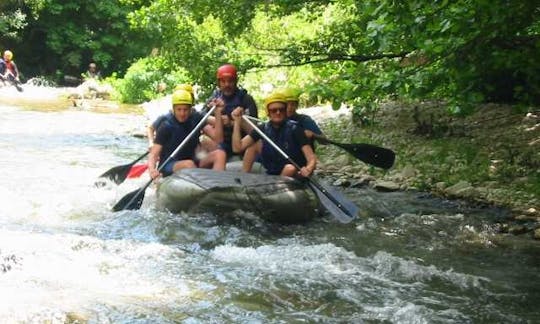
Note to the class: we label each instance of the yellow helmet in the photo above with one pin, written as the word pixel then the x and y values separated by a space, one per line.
pixel 275 97
pixel 181 97
pixel 8 54
pixel 184 86
pixel 291 94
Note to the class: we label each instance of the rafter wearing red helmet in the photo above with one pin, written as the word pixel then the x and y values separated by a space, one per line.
pixel 231 96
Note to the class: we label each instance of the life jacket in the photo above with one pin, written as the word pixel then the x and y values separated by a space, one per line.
pixel 231 102
pixel 283 137
pixel 179 131
pixel 11 68
pixel 302 121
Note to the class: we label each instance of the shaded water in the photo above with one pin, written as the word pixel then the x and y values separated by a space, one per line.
pixel 65 257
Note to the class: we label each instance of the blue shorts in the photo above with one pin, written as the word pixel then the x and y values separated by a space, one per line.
pixel 167 169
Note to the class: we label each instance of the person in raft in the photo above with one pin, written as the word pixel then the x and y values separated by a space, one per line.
pixel 292 95
pixel 231 96
pixel 285 133
pixel 154 125
pixel 172 132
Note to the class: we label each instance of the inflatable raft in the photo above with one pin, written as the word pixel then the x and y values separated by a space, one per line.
pixel 273 198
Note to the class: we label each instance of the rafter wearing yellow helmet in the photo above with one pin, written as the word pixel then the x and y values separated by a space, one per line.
pixel 182 97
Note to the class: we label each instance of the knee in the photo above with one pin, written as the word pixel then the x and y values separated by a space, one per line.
pixel 288 170
pixel 190 164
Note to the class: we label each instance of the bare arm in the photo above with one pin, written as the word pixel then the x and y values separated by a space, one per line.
pixel 218 125
pixel 150 134
pixel 153 159
pixel 311 159
pixel 239 144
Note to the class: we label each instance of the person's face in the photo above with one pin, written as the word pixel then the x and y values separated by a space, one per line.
pixel 181 112
pixel 277 111
pixel 291 107
pixel 227 86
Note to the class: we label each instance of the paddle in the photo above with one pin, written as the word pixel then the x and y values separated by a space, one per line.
pixel 368 153
pixel 134 199
pixel 119 173
pixel 339 206
pixel 371 154
pixel 11 78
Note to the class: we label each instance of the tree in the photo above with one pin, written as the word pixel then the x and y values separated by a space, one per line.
pixel 364 51
pixel 62 37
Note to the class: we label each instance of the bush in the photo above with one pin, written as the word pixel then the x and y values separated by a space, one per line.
pixel 141 80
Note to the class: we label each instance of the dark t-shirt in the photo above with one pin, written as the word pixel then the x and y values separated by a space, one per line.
pixel 290 138
pixel 172 133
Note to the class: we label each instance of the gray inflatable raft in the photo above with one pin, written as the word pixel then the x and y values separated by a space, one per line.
pixel 273 198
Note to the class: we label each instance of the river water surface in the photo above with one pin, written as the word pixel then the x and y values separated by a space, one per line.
pixel 65 257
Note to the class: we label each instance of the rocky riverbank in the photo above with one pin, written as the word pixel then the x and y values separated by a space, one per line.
pixel 491 157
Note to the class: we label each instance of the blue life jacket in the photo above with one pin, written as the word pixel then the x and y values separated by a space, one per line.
pixel 178 132
pixel 283 137
pixel 231 102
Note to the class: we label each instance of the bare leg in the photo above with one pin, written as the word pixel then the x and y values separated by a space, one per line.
pixel 184 164
pixel 215 160
pixel 289 170
pixel 250 155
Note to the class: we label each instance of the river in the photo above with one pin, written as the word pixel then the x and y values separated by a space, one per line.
pixel 65 257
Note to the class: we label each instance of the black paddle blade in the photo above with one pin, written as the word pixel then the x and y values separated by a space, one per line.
pixel 131 201
pixel 370 154
pixel 118 174
pixel 334 202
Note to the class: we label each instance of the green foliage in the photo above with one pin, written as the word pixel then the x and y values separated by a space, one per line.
pixel 11 23
pixel 66 35
pixel 141 81
pixel 365 52
pixel 350 52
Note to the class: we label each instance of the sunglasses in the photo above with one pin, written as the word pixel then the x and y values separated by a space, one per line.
pixel 275 110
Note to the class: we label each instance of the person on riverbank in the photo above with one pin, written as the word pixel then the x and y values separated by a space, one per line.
pixel 175 129
pixel 284 133
pixel 9 71
pixel 231 96
pixel 92 73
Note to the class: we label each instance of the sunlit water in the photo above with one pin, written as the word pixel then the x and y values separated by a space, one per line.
pixel 65 257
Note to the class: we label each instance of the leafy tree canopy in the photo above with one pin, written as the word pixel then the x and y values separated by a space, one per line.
pixel 64 36
pixel 358 52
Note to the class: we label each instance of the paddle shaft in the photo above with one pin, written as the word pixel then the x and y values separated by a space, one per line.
pixel 286 156
pixel 161 165
pixel 11 78
pixel 140 158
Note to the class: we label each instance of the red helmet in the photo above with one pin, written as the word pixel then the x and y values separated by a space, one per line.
pixel 227 71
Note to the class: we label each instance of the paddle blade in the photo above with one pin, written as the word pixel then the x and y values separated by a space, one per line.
pixel 131 201
pixel 117 174
pixel 370 154
pixel 340 207
pixel 137 170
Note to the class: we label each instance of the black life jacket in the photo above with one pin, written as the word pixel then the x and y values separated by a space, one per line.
pixel 179 131
pixel 283 137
